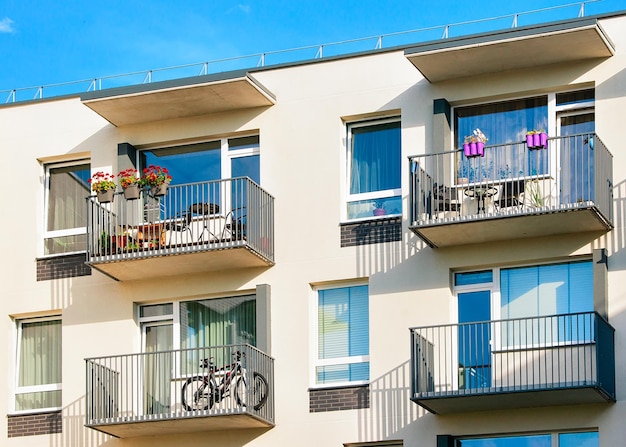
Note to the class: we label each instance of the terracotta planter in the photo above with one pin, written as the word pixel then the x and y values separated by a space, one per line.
pixel 106 196
pixel 132 192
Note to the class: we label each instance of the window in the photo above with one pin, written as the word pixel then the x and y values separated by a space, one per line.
pixel 524 295
pixel 374 163
pixel 546 289
pixel 67 186
pixel 212 160
pixel 505 125
pixel 38 379
pixel 342 348
pixel 198 324
pixel 582 439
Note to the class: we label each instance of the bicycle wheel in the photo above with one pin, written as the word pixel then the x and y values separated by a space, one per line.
pixel 196 394
pixel 258 392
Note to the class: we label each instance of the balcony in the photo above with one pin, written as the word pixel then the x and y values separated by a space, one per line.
pixel 512 192
pixel 195 228
pixel 155 393
pixel 179 98
pixel 514 363
pixel 532 46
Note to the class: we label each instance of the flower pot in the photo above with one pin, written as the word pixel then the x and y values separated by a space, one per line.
pixel 543 139
pixel 379 212
pixel 473 150
pixel 529 141
pixel 536 140
pixel 480 148
pixel 466 149
pixel 160 190
pixel 106 196
pixel 132 192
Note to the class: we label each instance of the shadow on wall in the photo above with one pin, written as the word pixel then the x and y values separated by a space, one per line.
pixel 617 237
pixel 391 409
pixel 75 434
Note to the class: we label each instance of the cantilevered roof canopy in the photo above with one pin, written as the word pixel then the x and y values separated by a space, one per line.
pixel 527 47
pixel 179 98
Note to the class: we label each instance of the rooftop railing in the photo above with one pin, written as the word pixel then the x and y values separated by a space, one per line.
pixel 213 215
pixel 157 386
pixel 514 179
pixel 520 354
pixel 344 47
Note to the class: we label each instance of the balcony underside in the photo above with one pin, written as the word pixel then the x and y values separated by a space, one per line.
pixel 161 426
pixel 502 399
pixel 517 225
pixel 518 48
pixel 165 262
pixel 177 99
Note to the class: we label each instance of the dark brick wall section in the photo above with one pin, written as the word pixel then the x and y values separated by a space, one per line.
pixel 335 399
pixel 371 232
pixel 35 424
pixel 67 266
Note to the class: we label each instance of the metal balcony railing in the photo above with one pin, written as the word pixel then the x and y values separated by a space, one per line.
pixel 158 386
pixel 514 355
pixel 192 217
pixel 568 173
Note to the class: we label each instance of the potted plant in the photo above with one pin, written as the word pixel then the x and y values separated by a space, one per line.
pixel 379 208
pixel 104 186
pixel 474 145
pixel 130 183
pixel 536 139
pixel 157 179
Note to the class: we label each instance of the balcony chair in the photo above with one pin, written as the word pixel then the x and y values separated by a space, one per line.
pixel 510 195
pixel 235 225
pixel 195 225
pixel 444 199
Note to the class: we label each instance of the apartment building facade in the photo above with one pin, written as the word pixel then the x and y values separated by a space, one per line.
pixel 378 249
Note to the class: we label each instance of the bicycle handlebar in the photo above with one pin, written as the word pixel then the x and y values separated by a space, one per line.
pixel 209 362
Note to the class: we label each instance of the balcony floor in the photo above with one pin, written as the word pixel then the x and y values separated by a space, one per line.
pixel 164 262
pixel 489 228
pixel 161 426
pixel 494 399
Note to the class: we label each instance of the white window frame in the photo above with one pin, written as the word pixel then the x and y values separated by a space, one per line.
pixel 314 345
pixel 383 194
pixel 554 436
pixel 50 234
pixel 496 305
pixel 34 388
pixel 555 112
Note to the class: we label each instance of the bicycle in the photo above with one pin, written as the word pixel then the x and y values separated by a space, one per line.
pixel 202 392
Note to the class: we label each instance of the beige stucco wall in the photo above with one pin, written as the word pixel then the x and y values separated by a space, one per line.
pixel 302 151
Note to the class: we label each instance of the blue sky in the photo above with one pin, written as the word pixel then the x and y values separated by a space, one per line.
pixel 45 42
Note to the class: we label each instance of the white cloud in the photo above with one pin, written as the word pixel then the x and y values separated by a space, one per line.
pixel 244 8
pixel 6 25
